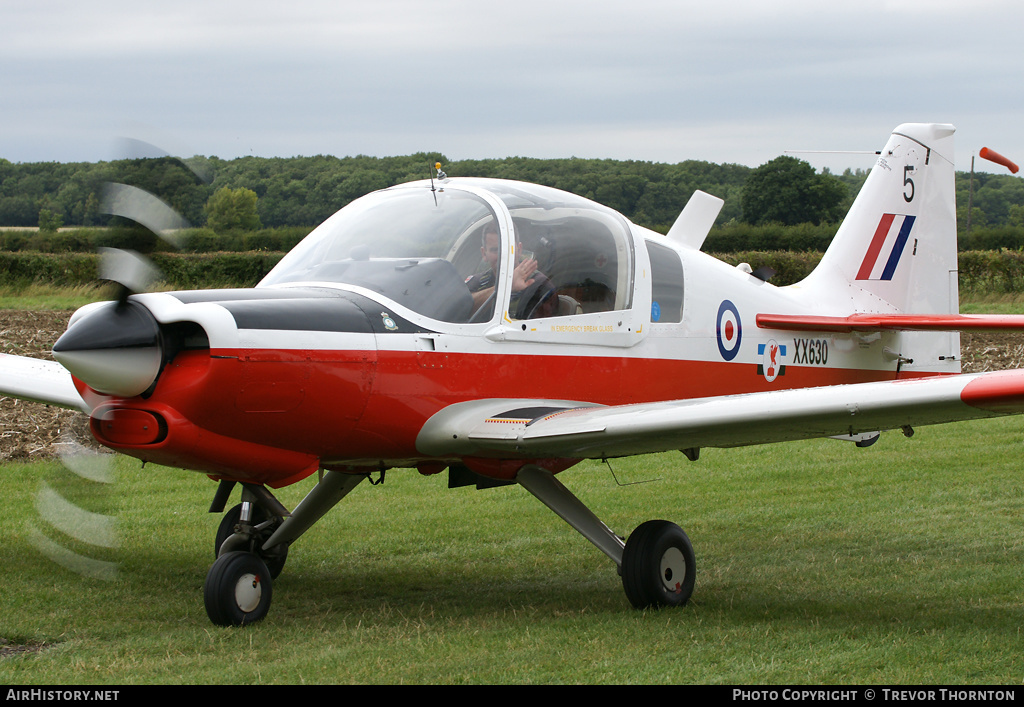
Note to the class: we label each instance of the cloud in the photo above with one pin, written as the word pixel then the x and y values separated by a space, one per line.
pixel 658 80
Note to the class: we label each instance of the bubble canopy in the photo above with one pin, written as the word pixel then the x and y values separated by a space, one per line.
pixel 421 245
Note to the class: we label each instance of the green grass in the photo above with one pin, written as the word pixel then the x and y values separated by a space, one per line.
pixel 817 563
pixel 991 303
pixel 40 296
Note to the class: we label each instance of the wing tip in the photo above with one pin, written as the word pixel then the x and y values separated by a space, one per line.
pixel 1000 392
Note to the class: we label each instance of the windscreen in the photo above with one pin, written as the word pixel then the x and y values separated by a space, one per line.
pixel 401 243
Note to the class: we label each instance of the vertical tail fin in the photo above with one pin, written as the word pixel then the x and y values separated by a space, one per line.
pixel 896 249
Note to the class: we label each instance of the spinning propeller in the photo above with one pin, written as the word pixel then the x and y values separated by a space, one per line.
pixel 90 532
pixel 116 349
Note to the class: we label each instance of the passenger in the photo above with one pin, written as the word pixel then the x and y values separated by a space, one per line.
pixel 533 295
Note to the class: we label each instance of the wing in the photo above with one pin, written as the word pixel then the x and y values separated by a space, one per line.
pixel 549 429
pixel 40 381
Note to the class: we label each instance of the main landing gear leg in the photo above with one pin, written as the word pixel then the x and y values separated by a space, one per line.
pixel 657 562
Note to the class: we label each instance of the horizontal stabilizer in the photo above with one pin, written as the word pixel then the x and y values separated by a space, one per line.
pixel 893 322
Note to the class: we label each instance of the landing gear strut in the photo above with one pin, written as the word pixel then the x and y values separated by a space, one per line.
pixel 657 563
pixel 248 534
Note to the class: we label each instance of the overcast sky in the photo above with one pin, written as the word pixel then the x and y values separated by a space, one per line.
pixel 725 81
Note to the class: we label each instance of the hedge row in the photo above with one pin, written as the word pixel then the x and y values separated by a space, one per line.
pixel 743 237
pixel 184 271
pixel 189 240
pixel 980 271
pixel 992 271
pixel 729 238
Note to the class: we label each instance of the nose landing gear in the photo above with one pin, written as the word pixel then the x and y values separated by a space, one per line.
pixel 239 585
pixel 252 545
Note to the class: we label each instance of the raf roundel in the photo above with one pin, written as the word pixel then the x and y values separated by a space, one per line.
pixel 728 330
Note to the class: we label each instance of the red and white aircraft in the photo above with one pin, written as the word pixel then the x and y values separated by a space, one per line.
pixel 505 331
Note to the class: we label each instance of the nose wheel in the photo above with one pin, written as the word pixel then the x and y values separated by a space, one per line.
pixel 238 589
pixel 658 566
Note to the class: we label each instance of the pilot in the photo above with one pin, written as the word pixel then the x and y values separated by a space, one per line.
pixel 533 295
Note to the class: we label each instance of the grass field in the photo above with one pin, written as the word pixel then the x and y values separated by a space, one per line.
pixel 817 563
pixel 47 297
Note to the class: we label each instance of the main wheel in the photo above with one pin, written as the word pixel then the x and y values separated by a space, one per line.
pixel 658 566
pixel 237 590
pixel 274 559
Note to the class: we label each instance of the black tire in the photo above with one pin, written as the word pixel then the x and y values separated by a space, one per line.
pixel 237 590
pixel 275 559
pixel 658 566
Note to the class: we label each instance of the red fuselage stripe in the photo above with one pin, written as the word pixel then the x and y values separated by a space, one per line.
pixel 362 408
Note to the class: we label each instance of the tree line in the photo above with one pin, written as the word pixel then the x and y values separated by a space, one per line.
pixel 783 204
